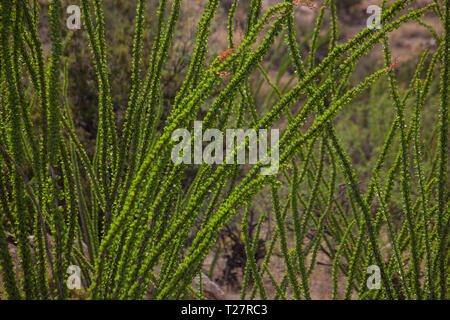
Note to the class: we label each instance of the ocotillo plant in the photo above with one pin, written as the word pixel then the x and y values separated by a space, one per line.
pixel 138 225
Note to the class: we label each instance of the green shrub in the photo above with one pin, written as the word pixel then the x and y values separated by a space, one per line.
pixel 126 214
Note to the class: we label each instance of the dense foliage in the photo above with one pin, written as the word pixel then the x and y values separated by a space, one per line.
pixel 131 219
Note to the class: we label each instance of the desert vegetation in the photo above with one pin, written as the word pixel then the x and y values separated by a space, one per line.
pixel 87 183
